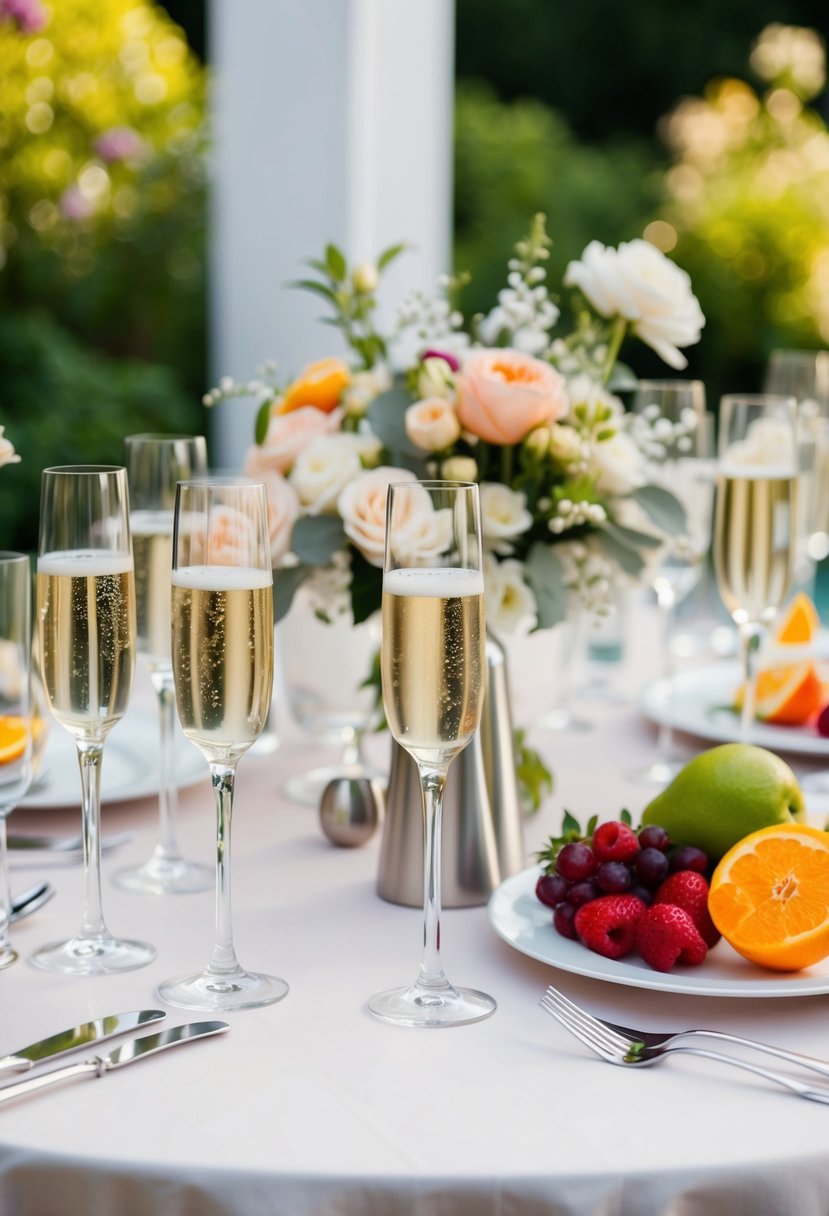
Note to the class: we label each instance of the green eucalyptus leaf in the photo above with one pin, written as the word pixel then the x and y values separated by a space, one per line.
pixel 263 417
pixel 666 511
pixel 316 538
pixel 366 587
pixel 622 379
pixel 627 559
pixel 545 576
pixel 631 537
pixel 387 419
pixel 335 263
pixel 285 585
pixel 388 255
pixel 321 289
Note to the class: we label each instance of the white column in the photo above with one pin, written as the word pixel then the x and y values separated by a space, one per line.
pixel 333 122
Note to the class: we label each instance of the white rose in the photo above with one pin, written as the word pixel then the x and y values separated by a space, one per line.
pixel 510 604
pixel 322 470
pixel 565 444
pixel 617 465
pixel 365 278
pixel 435 378
pixel 432 425
pixel 362 505
pixel 637 282
pixel 504 515
pixel 7 452
pixel 459 468
pixel 283 509
pixel 420 535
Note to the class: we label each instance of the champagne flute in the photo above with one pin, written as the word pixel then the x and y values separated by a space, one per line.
pixel 222 613
pixel 755 529
pixel 86 611
pixel 671 427
pixel 433 671
pixel 155 464
pixel 15 712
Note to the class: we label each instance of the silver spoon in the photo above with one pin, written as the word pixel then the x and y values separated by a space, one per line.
pixel 31 900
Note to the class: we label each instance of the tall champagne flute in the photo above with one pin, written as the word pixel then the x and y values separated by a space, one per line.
pixel 673 430
pixel 86 616
pixel 155 464
pixel 222 611
pixel 433 672
pixel 755 529
pixel 15 712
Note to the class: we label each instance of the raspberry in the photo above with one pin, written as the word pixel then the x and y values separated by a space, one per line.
pixel 689 891
pixel 607 925
pixel 666 935
pixel 615 842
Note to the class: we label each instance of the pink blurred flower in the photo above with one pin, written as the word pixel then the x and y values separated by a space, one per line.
pixel 446 355
pixel 118 143
pixel 28 15
pixel 74 205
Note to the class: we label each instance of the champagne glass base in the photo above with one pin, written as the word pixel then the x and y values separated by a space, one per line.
pixel 418 1006
pixel 660 772
pixel 7 957
pixel 166 876
pixel 307 788
pixel 103 955
pixel 215 993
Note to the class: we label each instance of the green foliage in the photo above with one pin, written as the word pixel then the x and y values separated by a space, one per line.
pixel 535 780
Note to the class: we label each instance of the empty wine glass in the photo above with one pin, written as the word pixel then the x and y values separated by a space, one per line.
pixel 86 612
pixel 155 463
pixel 433 666
pixel 755 529
pixel 15 712
pixel 676 435
pixel 222 614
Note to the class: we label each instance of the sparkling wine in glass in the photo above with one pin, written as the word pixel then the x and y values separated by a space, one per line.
pixel 155 464
pixel 755 529
pixel 433 667
pixel 15 712
pixel 86 616
pixel 222 613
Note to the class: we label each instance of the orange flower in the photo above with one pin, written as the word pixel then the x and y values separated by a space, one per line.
pixel 320 385
pixel 504 394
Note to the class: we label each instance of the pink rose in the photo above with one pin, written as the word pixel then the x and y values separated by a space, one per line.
pixel 504 394
pixel 287 436
pixel 362 506
pixel 283 509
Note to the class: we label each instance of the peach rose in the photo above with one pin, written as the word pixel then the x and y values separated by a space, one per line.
pixel 432 425
pixel 362 506
pixel 504 394
pixel 287 436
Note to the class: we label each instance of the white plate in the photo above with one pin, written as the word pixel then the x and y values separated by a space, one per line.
pixel 129 770
pixel 527 924
pixel 696 701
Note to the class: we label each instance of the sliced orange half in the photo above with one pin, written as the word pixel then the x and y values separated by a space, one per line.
pixel 788 696
pixel 769 897
pixel 14 732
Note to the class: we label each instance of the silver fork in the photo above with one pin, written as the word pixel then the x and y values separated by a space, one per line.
pixel 63 844
pixel 617 1049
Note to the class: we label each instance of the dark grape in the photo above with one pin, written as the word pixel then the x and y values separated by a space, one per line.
pixel 582 892
pixel 551 889
pixel 642 893
pixel 613 877
pixel 563 917
pixel 576 861
pixel 651 867
pixel 823 722
pixel 689 857
pixel 654 837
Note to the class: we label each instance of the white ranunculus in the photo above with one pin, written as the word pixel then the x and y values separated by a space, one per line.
pixel 459 468
pixel 510 604
pixel 504 515
pixel 637 282
pixel 432 425
pixel 435 378
pixel 322 470
pixel 362 506
pixel 7 452
pixel 566 444
pixel 617 465
pixel 283 509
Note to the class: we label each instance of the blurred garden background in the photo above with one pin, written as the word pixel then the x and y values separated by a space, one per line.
pixel 703 129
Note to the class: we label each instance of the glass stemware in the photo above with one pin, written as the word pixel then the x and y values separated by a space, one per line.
pixel 155 463
pixel 433 666
pixel 15 712
pixel 676 434
pixel 222 615
pixel 755 530
pixel 86 616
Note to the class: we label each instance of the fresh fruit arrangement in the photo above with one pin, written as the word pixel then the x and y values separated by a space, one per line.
pixel 791 692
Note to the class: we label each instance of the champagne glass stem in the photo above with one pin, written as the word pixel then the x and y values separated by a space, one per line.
pixel 666 602
pixel 352 753
pixel 7 954
pixel 90 754
pixel 223 960
pixel 751 637
pixel 167 848
pixel 432 784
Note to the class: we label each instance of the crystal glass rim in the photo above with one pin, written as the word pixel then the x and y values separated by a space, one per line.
pixel 760 399
pixel 84 470
pixel 666 383
pixel 207 479
pixel 160 437
pixel 12 557
pixel 435 485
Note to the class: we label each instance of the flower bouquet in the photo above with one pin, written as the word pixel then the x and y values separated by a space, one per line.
pixel 504 399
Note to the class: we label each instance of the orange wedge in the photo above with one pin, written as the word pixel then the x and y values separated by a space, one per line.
pixel 799 624
pixel 769 897
pixel 320 385
pixel 788 696
pixel 14 734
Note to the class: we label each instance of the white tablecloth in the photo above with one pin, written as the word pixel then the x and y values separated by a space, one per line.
pixel 312 1106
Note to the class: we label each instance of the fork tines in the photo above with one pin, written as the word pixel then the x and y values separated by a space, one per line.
pixel 593 1033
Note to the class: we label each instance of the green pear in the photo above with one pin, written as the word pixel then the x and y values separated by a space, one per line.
pixel 725 793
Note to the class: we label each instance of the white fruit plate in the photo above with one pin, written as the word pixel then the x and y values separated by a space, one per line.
pixel 526 924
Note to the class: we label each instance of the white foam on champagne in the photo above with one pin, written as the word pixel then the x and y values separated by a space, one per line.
pixel 222 578
pixel 756 472
pixel 84 563
pixel 437 582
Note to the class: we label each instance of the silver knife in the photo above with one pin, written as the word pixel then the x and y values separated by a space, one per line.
pixel 127 1053
pixel 78 1036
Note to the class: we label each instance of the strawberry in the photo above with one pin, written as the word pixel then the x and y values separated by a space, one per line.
pixel 615 841
pixel 607 925
pixel 665 934
pixel 689 891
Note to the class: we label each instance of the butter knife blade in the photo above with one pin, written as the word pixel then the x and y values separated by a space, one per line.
pixel 128 1053
pixel 95 1031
